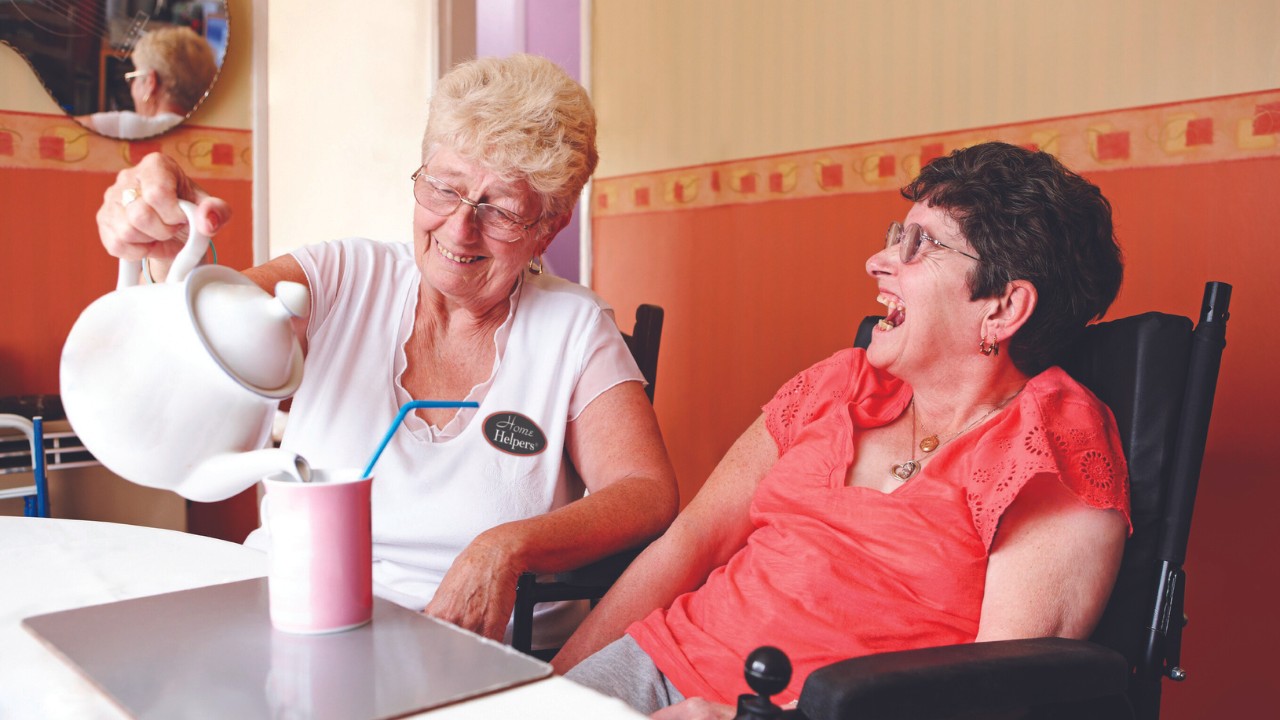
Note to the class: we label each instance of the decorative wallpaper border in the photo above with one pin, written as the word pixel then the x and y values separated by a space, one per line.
pixel 1202 131
pixel 54 142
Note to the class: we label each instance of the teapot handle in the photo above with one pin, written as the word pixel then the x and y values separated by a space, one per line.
pixel 186 261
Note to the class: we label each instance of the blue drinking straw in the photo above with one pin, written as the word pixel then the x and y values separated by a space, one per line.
pixel 404 410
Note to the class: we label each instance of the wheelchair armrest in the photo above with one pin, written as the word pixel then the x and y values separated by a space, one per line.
pixel 954 680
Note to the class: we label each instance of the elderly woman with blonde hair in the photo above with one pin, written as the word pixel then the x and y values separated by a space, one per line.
pixel 173 69
pixel 464 312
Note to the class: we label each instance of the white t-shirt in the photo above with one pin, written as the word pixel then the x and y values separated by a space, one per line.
pixel 129 125
pixel 434 490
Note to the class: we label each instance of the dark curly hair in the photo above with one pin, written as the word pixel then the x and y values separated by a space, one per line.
pixel 1030 218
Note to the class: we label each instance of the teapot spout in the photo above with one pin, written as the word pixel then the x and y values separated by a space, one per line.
pixel 222 476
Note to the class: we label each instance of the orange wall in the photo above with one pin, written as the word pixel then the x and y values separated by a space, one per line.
pixel 762 277
pixel 52 177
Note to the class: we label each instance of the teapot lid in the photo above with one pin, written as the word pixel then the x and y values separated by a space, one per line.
pixel 248 332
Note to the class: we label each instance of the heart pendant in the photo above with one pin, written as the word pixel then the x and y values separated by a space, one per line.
pixel 906 470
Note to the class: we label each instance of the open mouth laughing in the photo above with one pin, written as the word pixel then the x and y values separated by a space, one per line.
pixel 897 312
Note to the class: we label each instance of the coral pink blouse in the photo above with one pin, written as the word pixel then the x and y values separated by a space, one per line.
pixel 832 571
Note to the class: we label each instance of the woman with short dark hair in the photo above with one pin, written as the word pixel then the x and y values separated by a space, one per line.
pixel 931 490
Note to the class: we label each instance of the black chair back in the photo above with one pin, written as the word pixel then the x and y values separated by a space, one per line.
pixel 644 341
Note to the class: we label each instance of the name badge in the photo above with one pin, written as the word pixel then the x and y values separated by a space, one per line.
pixel 514 433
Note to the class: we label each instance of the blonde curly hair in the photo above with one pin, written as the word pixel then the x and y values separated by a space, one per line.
pixel 523 119
pixel 181 59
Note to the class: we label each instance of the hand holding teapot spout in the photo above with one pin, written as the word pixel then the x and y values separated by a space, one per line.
pixel 140 218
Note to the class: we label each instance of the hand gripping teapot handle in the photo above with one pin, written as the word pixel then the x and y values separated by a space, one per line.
pixel 186 261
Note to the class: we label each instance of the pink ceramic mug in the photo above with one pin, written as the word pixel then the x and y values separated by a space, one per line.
pixel 321 566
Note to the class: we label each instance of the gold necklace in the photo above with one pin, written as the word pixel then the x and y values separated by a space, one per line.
pixel 931 442
pixel 906 470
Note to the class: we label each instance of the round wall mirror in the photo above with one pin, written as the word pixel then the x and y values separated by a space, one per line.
pixel 125 69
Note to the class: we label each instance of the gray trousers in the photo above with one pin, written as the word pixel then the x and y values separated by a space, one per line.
pixel 622 670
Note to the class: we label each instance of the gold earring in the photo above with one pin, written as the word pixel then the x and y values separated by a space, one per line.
pixel 988 350
pixel 535 265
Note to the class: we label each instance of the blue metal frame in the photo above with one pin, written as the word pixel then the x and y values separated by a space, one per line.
pixel 37 505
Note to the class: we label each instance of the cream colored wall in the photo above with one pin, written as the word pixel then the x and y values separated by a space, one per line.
pixel 347 103
pixel 228 105
pixel 20 89
pixel 681 83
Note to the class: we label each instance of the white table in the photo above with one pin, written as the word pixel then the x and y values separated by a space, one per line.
pixel 50 565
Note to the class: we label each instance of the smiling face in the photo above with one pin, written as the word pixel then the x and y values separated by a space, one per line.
pixel 930 319
pixel 455 259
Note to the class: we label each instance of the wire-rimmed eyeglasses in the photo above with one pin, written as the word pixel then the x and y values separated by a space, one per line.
pixel 908 241
pixel 441 198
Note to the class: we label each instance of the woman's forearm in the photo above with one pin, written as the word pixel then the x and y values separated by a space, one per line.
pixel 671 566
pixel 620 516
pixel 707 534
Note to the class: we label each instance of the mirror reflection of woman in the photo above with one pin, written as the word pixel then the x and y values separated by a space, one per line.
pixel 174 67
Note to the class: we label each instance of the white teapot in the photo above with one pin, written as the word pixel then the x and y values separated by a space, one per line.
pixel 175 385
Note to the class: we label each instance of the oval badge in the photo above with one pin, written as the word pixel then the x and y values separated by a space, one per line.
pixel 514 433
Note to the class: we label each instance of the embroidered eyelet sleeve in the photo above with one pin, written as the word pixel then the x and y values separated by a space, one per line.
pixel 1060 429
